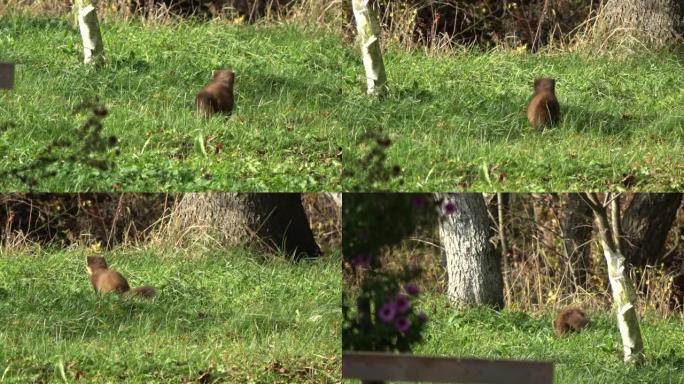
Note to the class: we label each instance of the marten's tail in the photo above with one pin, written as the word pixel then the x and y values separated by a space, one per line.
pixel 144 291
pixel 205 103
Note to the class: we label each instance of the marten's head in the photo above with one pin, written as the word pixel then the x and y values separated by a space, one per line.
pixel 544 85
pixel 223 75
pixel 94 263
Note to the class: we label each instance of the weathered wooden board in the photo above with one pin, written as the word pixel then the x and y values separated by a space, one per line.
pixel 406 367
pixel 6 75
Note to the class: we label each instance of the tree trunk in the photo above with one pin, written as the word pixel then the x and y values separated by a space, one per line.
pixel 502 206
pixel 624 297
pixel 646 223
pixel 276 220
pixel 93 49
pixel 576 226
pixel 653 23
pixel 473 266
pixel 336 197
pixel 368 31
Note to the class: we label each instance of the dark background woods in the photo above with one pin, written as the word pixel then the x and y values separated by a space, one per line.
pixel 552 257
pixel 114 219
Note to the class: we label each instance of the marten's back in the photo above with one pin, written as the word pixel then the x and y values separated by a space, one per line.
pixel 107 280
pixel 543 110
pixel 215 97
pixel 218 95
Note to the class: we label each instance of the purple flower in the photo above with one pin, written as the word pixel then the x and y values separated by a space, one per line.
pixel 402 324
pixel 411 289
pixel 387 312
pixel 449 207
pixel 418 201
pixel 361 261
pixel 402 303
pixel 422 317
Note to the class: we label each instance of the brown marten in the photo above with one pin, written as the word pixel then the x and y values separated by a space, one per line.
pixel 543 109
pixel 218 95
pixel 107 280
pixel 570 319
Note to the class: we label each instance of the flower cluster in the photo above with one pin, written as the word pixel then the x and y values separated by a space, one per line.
pixel 396 310
pixel 391 323
pixel 379 305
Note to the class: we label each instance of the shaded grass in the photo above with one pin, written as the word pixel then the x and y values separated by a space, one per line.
pixel 592 356
pixel 224 314
pixel 458 122
pixel 279 137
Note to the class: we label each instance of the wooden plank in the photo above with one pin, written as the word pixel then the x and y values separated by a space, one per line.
pixel 406 367
pixel 6 75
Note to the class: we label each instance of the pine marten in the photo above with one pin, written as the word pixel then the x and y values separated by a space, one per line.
pixel 218 95
pixel 544 109
pixel 570 319
pixel 107 280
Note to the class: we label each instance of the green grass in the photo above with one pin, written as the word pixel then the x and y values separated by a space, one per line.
pixel 592 356
pixel 459 122
pixel 279 138
pixel 455 121
pixel 229 314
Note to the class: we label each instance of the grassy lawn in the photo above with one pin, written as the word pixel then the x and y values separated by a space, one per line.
pixel 219 317
pixel 592 356
pixel 458 121
pixel 455 121
pixel 283 135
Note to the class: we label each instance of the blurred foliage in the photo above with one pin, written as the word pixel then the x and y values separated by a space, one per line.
pixel 379 320
pixel 385 318
pixel 371 221
pixel 371 172
pixel 85 146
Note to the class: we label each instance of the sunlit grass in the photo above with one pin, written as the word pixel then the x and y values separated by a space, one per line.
pixel 229 314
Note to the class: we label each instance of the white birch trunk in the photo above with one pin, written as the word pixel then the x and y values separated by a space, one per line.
pixel 473 267
pixel 368 31
pixel 336 197
pixel 623 297
pixel 620 284
pixel 88 24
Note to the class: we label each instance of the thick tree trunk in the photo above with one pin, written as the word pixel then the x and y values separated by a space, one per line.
pixel 368 30
pixel 646 223
pixel 654 23
pixel 624 297
pixel 576 226
pixel 276 220
pixel 502 206
pixel 473 266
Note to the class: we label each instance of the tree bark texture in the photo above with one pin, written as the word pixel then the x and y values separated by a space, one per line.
pixel 646 223
pixel 88 24
pixel 624 297
pixel 276 220
pixel 368 31
pixel 654 23
pixel 473 265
